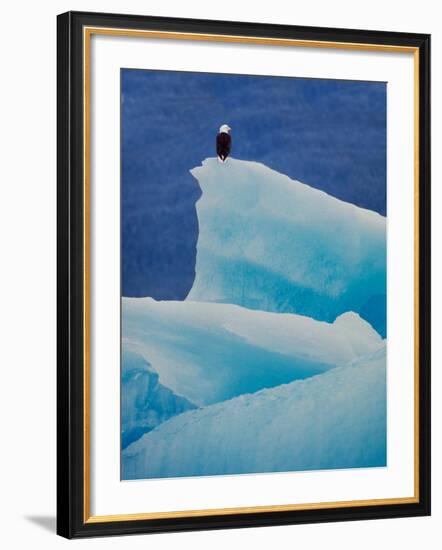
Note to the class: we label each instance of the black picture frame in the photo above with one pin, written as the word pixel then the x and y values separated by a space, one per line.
pixel 72 520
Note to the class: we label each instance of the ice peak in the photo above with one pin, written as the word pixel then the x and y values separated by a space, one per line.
pixel 269 242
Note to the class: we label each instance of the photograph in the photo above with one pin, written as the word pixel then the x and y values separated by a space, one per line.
pixel 243 274
pixel 253 274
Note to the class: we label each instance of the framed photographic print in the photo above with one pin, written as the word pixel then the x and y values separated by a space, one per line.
pixel 243 274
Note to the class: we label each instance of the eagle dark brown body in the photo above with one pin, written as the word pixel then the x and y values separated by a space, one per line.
pixel 223 142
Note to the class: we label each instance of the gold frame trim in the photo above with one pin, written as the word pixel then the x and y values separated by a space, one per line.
pixel 87 34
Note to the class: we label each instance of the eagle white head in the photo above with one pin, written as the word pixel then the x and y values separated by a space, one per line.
pixel 225 128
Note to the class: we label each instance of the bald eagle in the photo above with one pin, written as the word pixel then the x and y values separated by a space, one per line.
pixel 223 142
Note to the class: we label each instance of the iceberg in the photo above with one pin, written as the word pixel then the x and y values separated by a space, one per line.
pixel 333 420
pixel 276 360
pixel 271 243
pixel 211 352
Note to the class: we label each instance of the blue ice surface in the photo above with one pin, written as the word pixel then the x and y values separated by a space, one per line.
pixel 145 402
pixel 271 243
pixel 209 352
pixel 334 420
